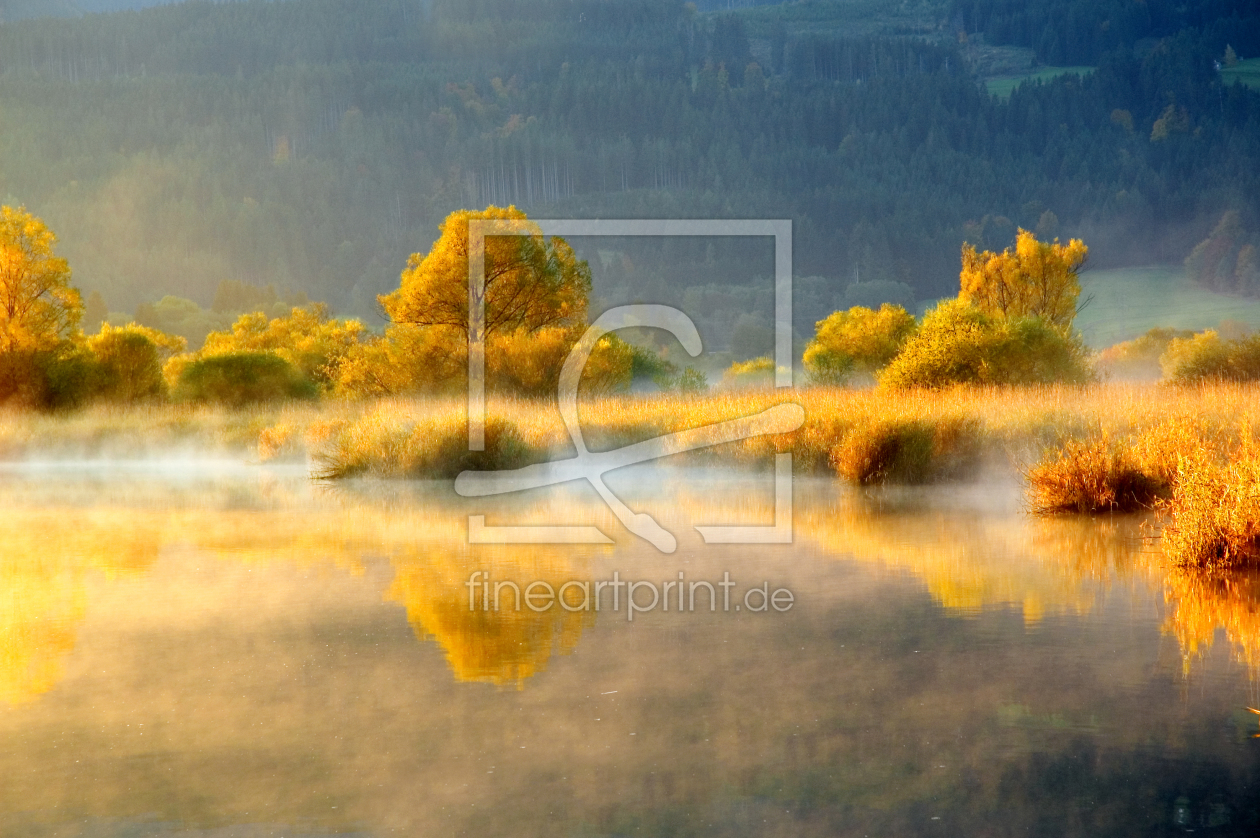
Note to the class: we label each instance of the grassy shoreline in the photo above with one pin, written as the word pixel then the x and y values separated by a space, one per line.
pixel 944 433
pixel 1186 453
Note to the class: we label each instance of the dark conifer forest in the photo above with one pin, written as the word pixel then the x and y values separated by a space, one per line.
pixel 313 144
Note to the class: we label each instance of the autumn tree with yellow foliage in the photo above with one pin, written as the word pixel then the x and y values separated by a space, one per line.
pixel 534 305
pixel 1035 279
pixel 1010 324
pixel 530 282
pixel 39 313
pixel 857 341
pixel 309 338
pixel 38 308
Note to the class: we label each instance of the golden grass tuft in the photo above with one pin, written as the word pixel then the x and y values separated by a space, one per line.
pixel 398 440
pixel 908 451
pixel 1091 476
pixel 1214 512
pixel 865 436
pixel 884 452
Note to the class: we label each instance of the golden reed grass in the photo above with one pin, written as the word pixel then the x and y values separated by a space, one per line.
pixel 1092 475
pixel 1214 512
pixel 1090 448
pixel 908 436
pixel 1097 448
pixel 1201 472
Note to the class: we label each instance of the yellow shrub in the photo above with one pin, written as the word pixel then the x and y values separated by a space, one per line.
pixel 958 343
pixel 129 361
pixel 1137 359
pixel 856 341
pixel 756 372
pixel 308 338
pixel 1203 356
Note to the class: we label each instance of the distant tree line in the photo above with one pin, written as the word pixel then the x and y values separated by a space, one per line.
pixel 1075 32
pixel 534 303
pixel 313 145
pixel 1226 261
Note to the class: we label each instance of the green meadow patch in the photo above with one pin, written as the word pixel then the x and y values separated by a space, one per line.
pixel 1003 86
pixel 1247 72
pixel 1127 302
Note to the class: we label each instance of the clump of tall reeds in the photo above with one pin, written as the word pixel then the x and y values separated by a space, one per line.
pixel 383 443
pixel 882 452
pixel 1214 511
pixel 1093 475
pixel 907 450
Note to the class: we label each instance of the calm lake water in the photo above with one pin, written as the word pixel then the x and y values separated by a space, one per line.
pixel 210 649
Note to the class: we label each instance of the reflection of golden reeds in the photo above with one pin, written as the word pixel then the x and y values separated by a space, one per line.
pixel 1204 601
pixel 971 561
pixel 967 562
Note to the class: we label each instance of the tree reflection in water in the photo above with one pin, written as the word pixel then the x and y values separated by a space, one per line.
pixel 970 559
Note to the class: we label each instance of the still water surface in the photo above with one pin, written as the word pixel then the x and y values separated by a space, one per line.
pixel 215 650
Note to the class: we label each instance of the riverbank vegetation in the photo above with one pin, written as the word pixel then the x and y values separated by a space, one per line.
pixel 995 378
pixel 1181 454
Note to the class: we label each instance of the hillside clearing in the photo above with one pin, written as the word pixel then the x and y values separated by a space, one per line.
pixel 1129 301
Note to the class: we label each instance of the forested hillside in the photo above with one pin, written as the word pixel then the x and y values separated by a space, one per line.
pixel 20 9
pixel 314 144
pixel 1083 31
